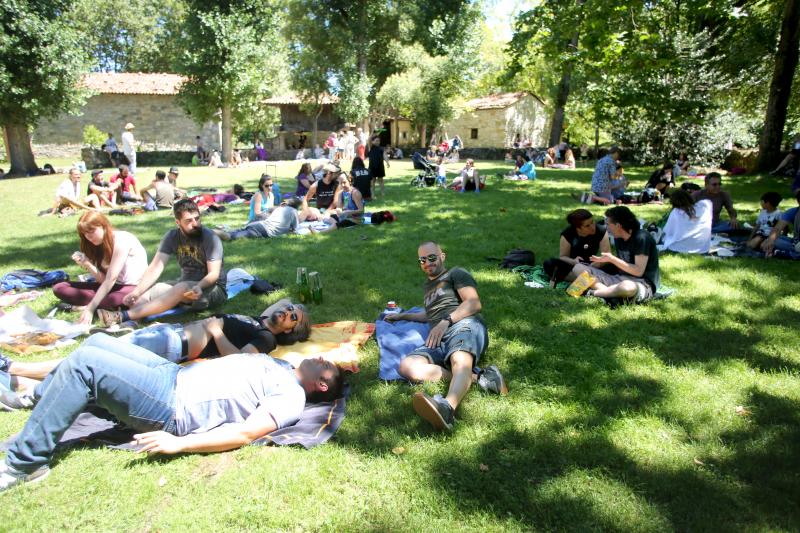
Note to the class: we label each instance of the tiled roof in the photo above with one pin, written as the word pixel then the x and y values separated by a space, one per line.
pixel 133 83
pixel 498 101
pixel 293 98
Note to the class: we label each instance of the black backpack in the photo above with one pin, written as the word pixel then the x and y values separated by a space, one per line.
pixel 518 257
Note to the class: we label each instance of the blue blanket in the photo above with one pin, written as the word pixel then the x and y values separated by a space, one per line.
pixel 395 341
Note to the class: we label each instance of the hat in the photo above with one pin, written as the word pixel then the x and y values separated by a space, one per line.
pixel 97 171
pixel 330 168
pixel 129 126
pixel 173 170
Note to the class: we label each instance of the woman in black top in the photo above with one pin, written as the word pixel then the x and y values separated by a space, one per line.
pixel 662 179
pixel 361 178
pixel 376 169
pixel 582 239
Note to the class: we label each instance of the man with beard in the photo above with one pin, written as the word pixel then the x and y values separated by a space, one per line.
pixel 202 283
pixel 455 343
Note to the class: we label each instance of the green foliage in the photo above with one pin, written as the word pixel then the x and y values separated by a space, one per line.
pixel 92 136
pixel 232 58
pixel 130 35
pixel 41 61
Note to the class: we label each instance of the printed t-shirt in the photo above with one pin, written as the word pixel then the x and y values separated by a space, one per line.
pixel 441 294
pixel 192 253
pixel 584 247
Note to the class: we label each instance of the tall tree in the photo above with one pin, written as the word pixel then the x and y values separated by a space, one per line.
pixel 232 58
pixel 41 62
pixel 780 88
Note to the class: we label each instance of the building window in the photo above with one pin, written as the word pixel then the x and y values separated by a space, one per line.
pixel 405 135
pixel 473 133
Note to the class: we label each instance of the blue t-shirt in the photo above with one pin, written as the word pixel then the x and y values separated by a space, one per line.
pixel 230 389
pixel 529 170
pixel 789 214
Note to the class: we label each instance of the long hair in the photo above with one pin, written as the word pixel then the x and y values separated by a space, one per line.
pixel 358 164
pixel 681 199
pixel 305 169
pixel 97 255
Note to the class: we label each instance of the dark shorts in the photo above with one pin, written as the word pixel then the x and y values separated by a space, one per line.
pixel 467 335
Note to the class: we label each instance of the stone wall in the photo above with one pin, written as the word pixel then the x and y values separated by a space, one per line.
pixel 159 120
pixel 497 127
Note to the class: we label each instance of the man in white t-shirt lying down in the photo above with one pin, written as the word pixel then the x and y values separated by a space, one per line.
pixel 213 406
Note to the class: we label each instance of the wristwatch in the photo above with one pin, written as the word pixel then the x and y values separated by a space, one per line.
pixel 449 320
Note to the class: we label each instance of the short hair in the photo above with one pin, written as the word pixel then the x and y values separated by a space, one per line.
pixel 184 205
pixel 238 190
pixel 430 242
pixel 123 168
pixel 578 217
pixel 624 217
pixel 614 149
pixel 772 198
pixel 712 175
pixel 161 175
pixel 335 385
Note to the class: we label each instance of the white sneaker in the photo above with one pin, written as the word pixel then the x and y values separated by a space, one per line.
pixel 10 476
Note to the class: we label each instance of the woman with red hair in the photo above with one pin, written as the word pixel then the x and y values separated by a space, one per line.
pixel 116 260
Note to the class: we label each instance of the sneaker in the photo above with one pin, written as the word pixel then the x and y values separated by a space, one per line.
pixel 491 380
pixel 437 411
pixel 109 318
pixel 5 362
pixel 10 476
pixel 123 328
pixel 11 401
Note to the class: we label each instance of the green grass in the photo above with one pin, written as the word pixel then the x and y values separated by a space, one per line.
pixel 617 419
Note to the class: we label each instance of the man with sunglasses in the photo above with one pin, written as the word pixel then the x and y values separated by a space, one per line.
pixel 455 343
pixel 282 323
pixel 719 199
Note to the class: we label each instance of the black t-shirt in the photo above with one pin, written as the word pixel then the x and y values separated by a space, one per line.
pixel 376 162
pixel 584 247
pixel 242 330
pixel 641 243
pixel 659 176
pixel 441 294
pixel 361 181
pixel 325 193
pixel 95 184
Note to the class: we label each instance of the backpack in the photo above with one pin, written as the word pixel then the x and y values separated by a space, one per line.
pixel 27 278
pixel 379 217
pixel 517 257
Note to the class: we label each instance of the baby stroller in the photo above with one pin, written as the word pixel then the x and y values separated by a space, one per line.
pixel 426 178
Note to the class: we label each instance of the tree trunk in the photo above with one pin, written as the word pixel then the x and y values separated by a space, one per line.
pixel 18 149
pixel 227 133
pixel 423 132
pixel 557 126
pixel 596 141
pixel 316 128
pixel 769 146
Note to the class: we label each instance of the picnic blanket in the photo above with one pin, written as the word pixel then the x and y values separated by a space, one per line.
pixel 22 331
pixel 317 424
pixel 237 281
pixel 395 341
pixel 336 341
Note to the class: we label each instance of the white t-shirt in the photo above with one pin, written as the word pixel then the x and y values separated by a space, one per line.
pixel 128 144
pixel 230 389
pixel 135 260
pixel 69 190
pixel 766 221
pixel 689 235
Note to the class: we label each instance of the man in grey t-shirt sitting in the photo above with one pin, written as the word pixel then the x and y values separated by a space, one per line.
pixel 282 219
pixel 213 406
pixel 202 282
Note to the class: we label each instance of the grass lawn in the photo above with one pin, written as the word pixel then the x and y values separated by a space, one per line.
pixel 619 419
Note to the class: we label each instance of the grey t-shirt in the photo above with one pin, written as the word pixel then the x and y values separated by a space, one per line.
pixel 281 221
pixel 193 252
pixel 441 294
pixel 164 194
pixel 228 390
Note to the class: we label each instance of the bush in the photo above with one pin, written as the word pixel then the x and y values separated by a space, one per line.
pixel 93 137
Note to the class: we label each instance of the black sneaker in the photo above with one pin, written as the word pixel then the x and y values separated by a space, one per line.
pixel 491 380
pixel 11 476
pixel 5 362
pixel 11 401
pixel 437 411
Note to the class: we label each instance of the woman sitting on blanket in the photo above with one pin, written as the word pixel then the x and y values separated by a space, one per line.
pixel 688 228
pixel 304 180
pixel 116 260
pixel 569 160
pixel 264 200
pixel 346 209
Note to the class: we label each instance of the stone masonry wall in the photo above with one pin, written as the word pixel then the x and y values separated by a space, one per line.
pixel 497 127
pixel 159 121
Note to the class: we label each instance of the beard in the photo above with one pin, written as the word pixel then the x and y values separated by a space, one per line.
pixel 275 317
pixel 193 233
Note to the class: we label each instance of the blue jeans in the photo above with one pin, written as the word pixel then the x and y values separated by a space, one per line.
pixel 467 335
pixel 722 227
pixel 134 385
pixel 163 340
pixel 785 243
pixel 254 230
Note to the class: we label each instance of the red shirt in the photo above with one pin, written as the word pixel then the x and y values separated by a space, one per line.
pixel 127 181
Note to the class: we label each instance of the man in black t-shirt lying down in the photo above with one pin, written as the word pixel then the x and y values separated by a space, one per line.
pixel 456 340
pixel 636 260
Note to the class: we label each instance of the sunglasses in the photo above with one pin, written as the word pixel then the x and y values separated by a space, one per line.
pixel 290 308
pixel 430 258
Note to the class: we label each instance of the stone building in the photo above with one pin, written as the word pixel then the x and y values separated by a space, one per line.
pixel 295 123
pixel 495 120
pixel 146 100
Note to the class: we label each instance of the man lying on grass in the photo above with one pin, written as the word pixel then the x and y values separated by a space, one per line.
pixel 281 323
pixel 213 406
pixel 456 341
